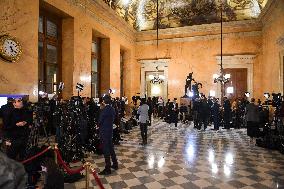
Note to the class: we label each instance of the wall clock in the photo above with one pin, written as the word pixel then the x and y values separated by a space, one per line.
pixel 10 48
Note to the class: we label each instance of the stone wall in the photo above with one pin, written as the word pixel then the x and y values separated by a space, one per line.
pixel 194 49
pixel 273 48
pixel 81 20
pixel 22 23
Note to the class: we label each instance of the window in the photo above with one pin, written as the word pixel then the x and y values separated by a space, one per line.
pixel 49 52
pixel 95 73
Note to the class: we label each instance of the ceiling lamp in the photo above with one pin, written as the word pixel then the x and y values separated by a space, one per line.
pixel 156 78
pixel 221 78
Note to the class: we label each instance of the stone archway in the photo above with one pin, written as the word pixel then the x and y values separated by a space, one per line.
pixel 150 66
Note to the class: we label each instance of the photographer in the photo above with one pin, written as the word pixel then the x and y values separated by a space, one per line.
pixel 17 130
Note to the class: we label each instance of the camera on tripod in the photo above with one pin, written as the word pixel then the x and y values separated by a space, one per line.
pixel 41 108
pixel 276 100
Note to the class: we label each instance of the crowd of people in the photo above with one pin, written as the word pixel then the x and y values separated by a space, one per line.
pixel 19 118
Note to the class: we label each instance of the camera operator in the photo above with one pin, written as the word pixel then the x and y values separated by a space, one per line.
pixel 252 117
pixel 17 130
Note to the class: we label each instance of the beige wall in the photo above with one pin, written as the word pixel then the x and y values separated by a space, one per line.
pixel 20 77
pixel 190 48
pixel 273 45
pixel 81 19
pixel 198 53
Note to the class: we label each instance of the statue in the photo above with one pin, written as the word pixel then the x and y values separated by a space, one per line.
pixel 188 81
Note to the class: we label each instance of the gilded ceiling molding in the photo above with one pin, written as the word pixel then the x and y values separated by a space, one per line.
pixel 201 38
pixel 204 28
pixel 141 14
pixel 129 33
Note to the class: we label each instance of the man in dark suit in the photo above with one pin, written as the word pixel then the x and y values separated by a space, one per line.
pixel 174 112
pixel 216 114
pixel 106 120
pixel 227 112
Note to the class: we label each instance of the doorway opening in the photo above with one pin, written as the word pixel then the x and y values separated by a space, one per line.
pixel 237 86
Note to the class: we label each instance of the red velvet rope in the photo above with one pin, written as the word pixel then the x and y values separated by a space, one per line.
pixel 35 156
pixel 98 181
pixel 67 169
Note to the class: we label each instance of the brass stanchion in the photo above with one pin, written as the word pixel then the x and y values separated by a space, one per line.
pixel 87 171
pixel 54 147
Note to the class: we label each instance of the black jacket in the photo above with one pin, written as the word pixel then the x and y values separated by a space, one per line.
pixel 12 131
pixel 5 113
pixel 106 120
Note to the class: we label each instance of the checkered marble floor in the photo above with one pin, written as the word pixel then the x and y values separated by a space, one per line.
pixel 186 158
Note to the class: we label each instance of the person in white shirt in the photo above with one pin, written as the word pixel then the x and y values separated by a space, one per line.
pixel 143 119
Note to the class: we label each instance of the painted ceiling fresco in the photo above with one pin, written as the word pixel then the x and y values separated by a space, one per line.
pixel 141 14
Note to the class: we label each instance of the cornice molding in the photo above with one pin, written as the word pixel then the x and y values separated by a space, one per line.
pixel 236 59
pixel 158 61
pixel 105 11
pixel 201 37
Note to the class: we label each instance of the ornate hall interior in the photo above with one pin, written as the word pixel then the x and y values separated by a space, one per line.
pixel 211 73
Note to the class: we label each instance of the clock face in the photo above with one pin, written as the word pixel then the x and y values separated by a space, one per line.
pixel 10 48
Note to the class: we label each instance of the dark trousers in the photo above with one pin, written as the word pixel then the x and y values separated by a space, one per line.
pixel 160 111
pixel 17 148
pixel 144 129
pixel 108 151
pixel 216 122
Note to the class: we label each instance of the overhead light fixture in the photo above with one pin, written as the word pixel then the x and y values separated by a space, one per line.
pixel 156 78
pixel 222 78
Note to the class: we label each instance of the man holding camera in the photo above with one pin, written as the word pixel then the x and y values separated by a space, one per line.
pixel 106 120
pixel 17 130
